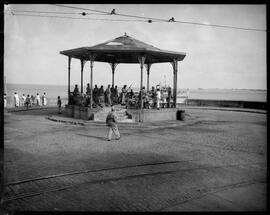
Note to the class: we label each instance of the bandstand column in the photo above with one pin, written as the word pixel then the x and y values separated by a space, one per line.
pixel 148 66
pixel 175 62
pixel 141 60
pixel 176 72
pixel 69 62
pixel 82 65
pixel 113 66
pixel 92 58
pixel 174 65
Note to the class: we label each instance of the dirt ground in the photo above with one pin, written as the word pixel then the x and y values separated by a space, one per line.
pixel 216 163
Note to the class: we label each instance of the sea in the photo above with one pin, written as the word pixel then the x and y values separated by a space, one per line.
pixel 53 91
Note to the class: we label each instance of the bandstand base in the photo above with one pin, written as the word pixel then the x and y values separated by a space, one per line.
pixel 78 112
pixel 151 115
pixel 146 115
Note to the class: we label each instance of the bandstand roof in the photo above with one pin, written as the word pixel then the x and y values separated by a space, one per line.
pixel 124 49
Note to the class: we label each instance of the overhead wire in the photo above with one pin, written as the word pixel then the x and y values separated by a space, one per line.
pixel 81 8
pixel 221 26
pixel 142 18
pixel 109 13
pixel 67 17
pixel 50 12
pixel 150 19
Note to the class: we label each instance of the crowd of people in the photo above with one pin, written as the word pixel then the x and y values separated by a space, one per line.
pixel 157 97
pixel 29 101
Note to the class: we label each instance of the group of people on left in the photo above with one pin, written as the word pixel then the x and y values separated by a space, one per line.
pixel 29 101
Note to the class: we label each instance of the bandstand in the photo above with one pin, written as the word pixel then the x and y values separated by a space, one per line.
pixel 124 49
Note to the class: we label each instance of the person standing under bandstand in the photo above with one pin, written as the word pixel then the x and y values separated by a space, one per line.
pixel 116 96
pixel 124 92
pixel 95 95
pixel 101 96
pixel 88 89
pixel 112 95
pixel 108 96
pixel 169 96
pixel 158 98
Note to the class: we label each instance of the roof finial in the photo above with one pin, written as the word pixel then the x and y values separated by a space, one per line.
pixel 125 34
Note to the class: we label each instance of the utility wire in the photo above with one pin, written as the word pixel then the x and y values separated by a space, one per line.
pixel 67 17
pixel 150 19
pixel 81 8
pixel 109 13
pixel 146 19
pixel 49 12
pixel 221 26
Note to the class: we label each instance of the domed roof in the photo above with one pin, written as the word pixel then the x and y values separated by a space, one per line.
pixel 124 49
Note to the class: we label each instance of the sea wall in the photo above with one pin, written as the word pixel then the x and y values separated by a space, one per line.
pixel 226 103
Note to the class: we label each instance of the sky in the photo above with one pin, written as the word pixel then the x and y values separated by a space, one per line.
pixel 215 57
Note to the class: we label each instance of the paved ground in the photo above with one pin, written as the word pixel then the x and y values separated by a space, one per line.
pixel 214 161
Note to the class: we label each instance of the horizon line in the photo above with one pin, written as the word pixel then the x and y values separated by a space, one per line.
pixel 198 88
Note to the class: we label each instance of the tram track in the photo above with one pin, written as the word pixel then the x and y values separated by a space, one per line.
pixel 197 195
pixel 93 170
pixel 53 183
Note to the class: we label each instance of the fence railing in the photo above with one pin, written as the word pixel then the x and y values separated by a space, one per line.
pixel 226 103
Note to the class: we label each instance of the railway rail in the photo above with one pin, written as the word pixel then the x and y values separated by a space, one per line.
pixel 42 185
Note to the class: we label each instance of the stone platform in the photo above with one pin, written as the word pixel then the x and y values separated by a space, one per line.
pixel 123 114
pixel 152 115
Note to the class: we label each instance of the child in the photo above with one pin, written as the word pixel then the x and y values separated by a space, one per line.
pixel 32 100
pixel 59 103
pixel 27 101
pixel 111 123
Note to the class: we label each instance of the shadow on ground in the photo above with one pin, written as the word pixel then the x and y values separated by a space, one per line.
pixel 92 136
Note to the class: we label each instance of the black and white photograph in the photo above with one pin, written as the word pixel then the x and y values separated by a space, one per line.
pixel 134 108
